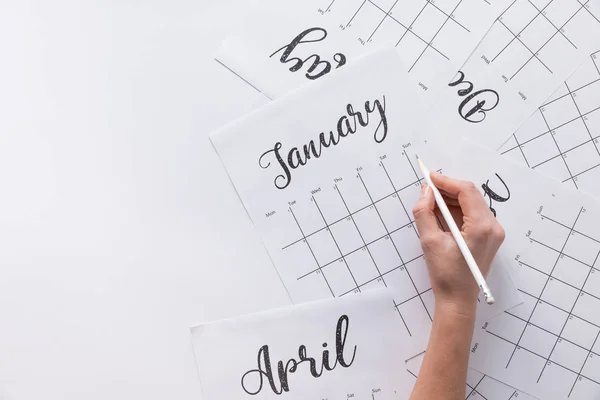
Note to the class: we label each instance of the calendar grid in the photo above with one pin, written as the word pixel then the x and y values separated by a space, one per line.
pixel 364 244
pixel 438 17
pixel 569 120
pixel 584 121
pixel 557 31
pixel 559 151
pixel 544 288
pixel 517 37
pixel 362 238
pixel 327 228
pixel 319 268
pixel 572 233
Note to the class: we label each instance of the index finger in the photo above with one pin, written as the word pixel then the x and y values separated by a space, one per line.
pixel 469 197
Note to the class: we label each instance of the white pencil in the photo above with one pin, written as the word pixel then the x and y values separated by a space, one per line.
pixel 462 245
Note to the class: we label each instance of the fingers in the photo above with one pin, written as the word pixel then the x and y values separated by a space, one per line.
pixel 469 198
pixel 423 212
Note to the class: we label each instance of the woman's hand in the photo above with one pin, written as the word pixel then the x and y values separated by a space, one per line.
pixel 451 280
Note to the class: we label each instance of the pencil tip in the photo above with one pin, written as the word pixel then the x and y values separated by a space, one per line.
pixel 417 156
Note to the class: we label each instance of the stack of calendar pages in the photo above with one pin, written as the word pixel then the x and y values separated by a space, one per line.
pixel 502 93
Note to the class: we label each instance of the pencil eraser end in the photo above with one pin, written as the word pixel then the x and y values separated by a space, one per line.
pixel 490 300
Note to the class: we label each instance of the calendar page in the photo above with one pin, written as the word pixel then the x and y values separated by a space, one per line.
pixel 548 346
pixel 331 349
pixel 328 176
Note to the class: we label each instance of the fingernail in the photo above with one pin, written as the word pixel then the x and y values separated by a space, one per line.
pixel 425 190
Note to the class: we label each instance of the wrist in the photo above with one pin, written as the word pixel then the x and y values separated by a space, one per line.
pixel 462 309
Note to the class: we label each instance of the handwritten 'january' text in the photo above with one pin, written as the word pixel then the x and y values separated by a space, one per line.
pixel 348 124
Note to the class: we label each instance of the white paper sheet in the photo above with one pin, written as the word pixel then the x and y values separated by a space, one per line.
pixel 561 139
pixel 332 349
pixel 434 38
pixel 479 386
pixel 547 347
pixel 532 48
pixel 340 221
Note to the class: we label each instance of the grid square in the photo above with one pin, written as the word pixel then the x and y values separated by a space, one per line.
pixel 582 248
pixel 346 235
pixel 415 313
pixel 549 318
pixel 571 271
pixel 307 217
pixel 339 278
pixel 542 257
pixel 560 295
pixel 375 183
pixel 537 33
pixel 362 267
pixel 582 158
pixel 409 196
pixel 541 5
pixel 532 281
pixel 519 15
pixel 444 40
pixel 407 11
pixel 592 285
pixel 587 309
pixel 561 11
pixel 554 167
pixel 385 255
pixel 448 7
pixel 354 194
pixel 401 285
pixel 407 240
pixel 538 341
pixel 302 254
pixel 369 224
pixel 514 51
pixel 559 112
pixel 419 275
pixel 592 123
pixel 571 135
pixel 330 205
pixel 323 247
pixel 392 212
pixel 592 368
pixel 523 356
pixel 385 5
pixel 587 97
pixel 429 23
pixel 580 332
pixel 317 287
pixel 507 326
pixel 557 377
pixel 584 388
pixel 532 128
pixel 390 30
pixel 525 309
pixel 540 149
pixel 569 355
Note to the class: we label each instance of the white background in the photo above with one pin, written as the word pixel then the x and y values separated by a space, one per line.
pixel 119 228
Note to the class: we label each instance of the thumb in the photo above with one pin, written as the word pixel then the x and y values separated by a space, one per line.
pixel 425 218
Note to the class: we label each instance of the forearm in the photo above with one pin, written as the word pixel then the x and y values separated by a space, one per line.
pixel 443 374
